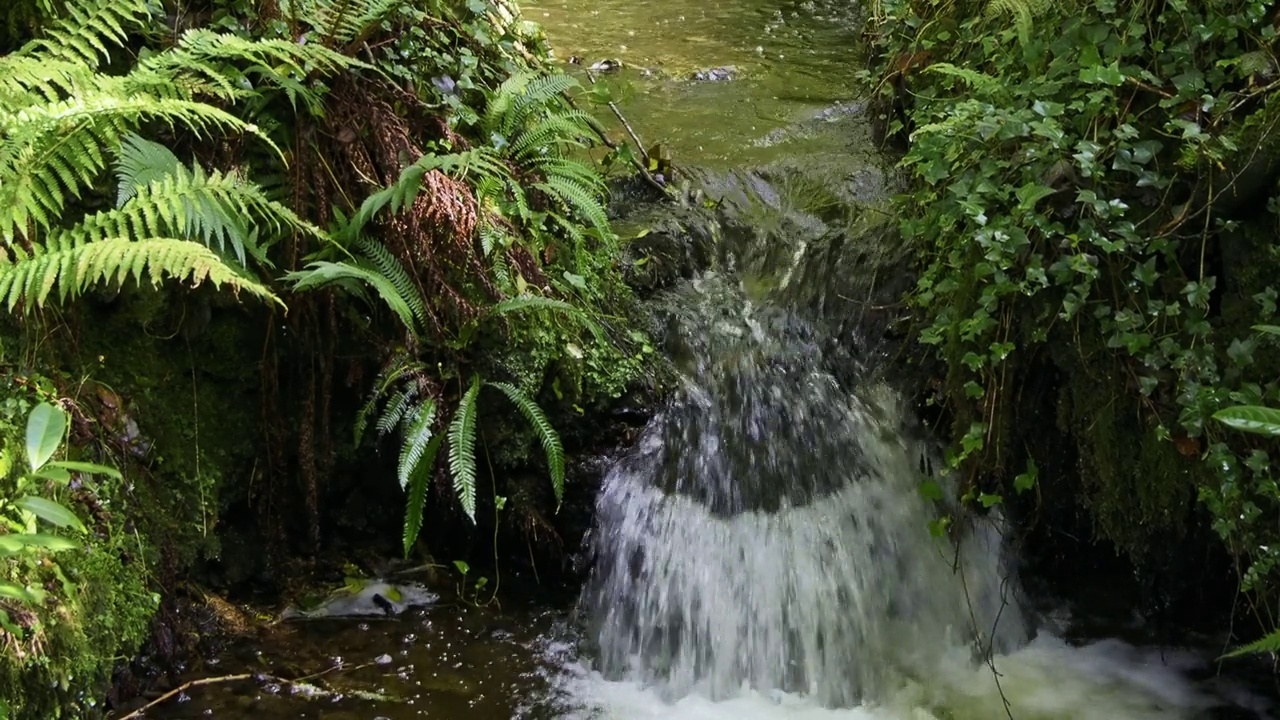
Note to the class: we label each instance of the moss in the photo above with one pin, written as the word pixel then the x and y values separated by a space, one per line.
pixel 1137 486
pixel 186 372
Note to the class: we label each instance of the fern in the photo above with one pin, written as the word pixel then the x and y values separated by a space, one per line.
pixel 341 22
pixel 1268 644
pixel 86 30
pixel 1024 13
pixel 396 409
pixel 322 273
pixel 417 435
pixel 394 272
pixel 71 267
pixel 462 450
pixel 140 162
pixel 525 303
pixel 546 435
pixel 419 481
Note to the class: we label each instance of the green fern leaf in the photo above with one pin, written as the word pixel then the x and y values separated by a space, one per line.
pixel 322 273
pixel 139 163
pixel 462 450
pixel 416 501
pixel 417 435
pixel 30 277
pixel 396 409
pixel 1268 644
pixel 548 436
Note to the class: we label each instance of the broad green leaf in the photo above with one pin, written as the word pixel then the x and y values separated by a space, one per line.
pixel 1250 418
pixel 1268 329
pixel 45 428
pixel 1027 480
pixel 53 474
pixel 988 500
pixel 931 490
pixel 16 592
pixel 50 511
pixel 88 468
pixel 44 541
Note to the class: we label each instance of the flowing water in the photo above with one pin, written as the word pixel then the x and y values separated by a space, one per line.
pixel 762 551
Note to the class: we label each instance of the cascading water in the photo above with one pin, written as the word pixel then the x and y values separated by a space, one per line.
pixel 768 532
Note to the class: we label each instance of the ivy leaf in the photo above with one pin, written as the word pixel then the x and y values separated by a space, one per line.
pixel 45 427
pixel 989 500
pixel 931 490
pixel 1032 193
pixel 1102 74
pixel 1027 480
pixel 1251 419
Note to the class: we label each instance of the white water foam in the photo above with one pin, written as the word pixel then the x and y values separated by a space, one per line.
pixel 1045 680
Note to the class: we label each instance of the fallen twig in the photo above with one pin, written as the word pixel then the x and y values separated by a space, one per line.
pixel 238 677
pixel 641 166
pixel 644 154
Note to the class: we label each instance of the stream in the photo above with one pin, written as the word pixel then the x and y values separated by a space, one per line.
pixel 762 551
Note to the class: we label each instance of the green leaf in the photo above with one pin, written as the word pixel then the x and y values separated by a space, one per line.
pixel 53 474
pixel 462 450
pixel 462 566
pixel 45 427
pixel 419 481
pixel 16 543
pixel 551 444
pixel 1027 480
pixel 1268 329
pixel 88 468
pixel 989 500
pixel 931 490
pixel 1268 644
pixel 1251 419
pixel 50 512
pixel 16 592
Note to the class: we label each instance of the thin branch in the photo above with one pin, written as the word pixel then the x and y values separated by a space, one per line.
pixel 239 677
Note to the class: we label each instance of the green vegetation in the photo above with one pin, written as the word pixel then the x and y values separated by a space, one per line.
pixel 1093 196
pixel 212 214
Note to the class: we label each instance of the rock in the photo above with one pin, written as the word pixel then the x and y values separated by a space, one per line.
pixel 716 74
pixel 366 598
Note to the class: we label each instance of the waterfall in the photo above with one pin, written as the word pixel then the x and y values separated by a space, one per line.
pixel 767 531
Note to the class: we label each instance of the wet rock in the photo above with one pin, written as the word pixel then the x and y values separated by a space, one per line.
pixel 371 598
pixel 715 74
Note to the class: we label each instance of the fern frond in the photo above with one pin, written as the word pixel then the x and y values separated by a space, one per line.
pixel 525 303
pixel 85 30
pixel 578 200
pixel 419 481
pixel 139 162
pixel 1268 644
pixel 462 449
pixel 56 149
pixel 547 435
pixel 71 267
pixel 401 364
pixel 223 65
pixel 1024 13
pixel 321 273
pixel 417 435
pixel 562 129
pixel 405 190
pixel 341 22
pixel 522 95
pixel 397 407
pixel 389 265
